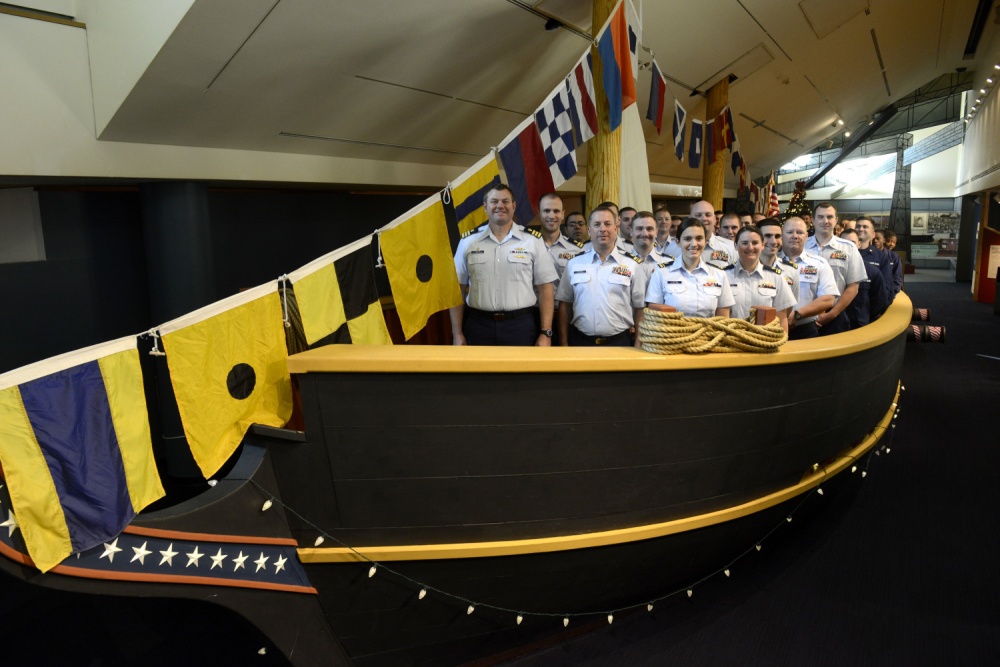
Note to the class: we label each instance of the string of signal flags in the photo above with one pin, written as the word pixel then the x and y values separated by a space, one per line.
pixel 226 361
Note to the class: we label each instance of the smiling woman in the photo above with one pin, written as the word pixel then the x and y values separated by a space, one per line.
pixel 753 283
pixel 691 285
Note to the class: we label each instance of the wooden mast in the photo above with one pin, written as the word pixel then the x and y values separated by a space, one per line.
pixel 713 175
pixel 604 150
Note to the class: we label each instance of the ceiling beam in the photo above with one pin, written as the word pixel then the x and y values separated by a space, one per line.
pixel 858 138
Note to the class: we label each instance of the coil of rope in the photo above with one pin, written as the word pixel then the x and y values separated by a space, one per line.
pixel 672 333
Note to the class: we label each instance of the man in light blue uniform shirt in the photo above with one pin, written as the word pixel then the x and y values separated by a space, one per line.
pixel 500 265
pixel 602 292
pixel 845 261
pixel 817 287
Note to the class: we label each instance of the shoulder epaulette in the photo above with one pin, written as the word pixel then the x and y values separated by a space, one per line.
pixel 578 244
pixel 728 266
pixel 663 265
pixel 634 257
pixel 789 263
pixel 476 230
pixel 534 231
pixel 773 269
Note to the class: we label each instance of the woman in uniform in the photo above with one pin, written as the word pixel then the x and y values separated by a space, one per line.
pixel 754 283
pixel 687 283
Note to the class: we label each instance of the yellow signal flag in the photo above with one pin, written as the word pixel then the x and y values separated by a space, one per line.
pixel 468 193
pixel 420 265
pixel 229 369
pixel 338 299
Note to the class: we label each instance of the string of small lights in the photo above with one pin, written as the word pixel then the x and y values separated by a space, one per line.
pixel 986 89
pixel 424 589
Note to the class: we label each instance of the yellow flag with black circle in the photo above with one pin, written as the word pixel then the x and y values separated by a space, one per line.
pixel 228 368
pixel 420 265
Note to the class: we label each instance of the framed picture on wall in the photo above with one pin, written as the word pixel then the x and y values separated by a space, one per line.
pixel 918 224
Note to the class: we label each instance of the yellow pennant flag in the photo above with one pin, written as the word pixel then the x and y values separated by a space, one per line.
pixel 228 367
pixel 337 297
pixel 468 193
pixel 420 265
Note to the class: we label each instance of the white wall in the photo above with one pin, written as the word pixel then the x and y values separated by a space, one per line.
pixel 123 37
pixel 61 7
pixel 47 128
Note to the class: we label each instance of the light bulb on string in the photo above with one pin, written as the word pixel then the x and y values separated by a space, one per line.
pixel 565 621
pixel 422 594
pixel 726 571
pixel 690 592
pixel 519 619
pixel 649 607
pixel 788 519
pixel 213 482
pixel 864 473
pixel 819 490
pixel 757 546
pixel 611 619
pixel 371 571
pixel 266 506
pixel 468 612
pixel 319 541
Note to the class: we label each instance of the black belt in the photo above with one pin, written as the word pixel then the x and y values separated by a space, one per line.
pixel 499 316
pixel 605 340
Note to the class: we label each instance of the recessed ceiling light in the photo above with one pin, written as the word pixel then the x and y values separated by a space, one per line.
pixel 988 80
pixel 847 133
pixel 982 91
pixel 840 121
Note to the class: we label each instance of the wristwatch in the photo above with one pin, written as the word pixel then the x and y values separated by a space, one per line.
pixel 796 316
pixel 547 333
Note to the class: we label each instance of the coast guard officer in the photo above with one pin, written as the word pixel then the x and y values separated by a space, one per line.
pixel 845 261
pixel 770 230
pixel 602 292
pixel 500 265
pixel 690 284
pixel 817 286
pixel 719 252
pixel 755 284
pixel 561 249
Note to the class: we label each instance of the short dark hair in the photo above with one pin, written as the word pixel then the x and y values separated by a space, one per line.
pixel 888 234
pixel 602 207
pixel 547 195
pixel 627 208
pixel 606 204
pixel 731 214
pixel 570 215
pixel 690 222
pixel 500 187
pixel 864 217
pixel 769 222
pixel 749 229
pixel 824 204
pixel 644 214
pixel 849 230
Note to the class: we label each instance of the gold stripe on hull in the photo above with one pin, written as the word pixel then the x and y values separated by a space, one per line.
pixel 410 552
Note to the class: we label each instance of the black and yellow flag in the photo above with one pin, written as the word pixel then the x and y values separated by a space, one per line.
pixel 420 265
pixel 337 298
pixel 229 369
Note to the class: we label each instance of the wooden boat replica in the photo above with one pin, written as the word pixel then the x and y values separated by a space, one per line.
pixel 445 504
